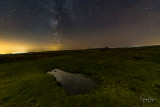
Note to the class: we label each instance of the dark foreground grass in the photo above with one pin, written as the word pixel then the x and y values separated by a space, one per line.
pixel 121 75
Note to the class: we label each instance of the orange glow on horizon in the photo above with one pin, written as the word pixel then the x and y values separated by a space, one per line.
pixel 12 48
pixel 17 47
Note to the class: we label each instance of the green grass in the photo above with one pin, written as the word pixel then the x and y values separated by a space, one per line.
pixel 121 76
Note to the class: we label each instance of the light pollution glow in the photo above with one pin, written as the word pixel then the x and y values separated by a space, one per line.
pixel 16 47
pixel 47 25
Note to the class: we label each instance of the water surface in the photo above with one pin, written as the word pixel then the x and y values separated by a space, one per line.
pixel 74 84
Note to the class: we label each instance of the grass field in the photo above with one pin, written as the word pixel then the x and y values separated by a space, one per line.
pixel 122 76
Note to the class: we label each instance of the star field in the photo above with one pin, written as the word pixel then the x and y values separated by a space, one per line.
pixel 74 24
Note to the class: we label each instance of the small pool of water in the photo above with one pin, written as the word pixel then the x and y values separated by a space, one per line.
pixel 74 84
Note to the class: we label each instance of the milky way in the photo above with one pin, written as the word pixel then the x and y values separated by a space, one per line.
pixel 74 24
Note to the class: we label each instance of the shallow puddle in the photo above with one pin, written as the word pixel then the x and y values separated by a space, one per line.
pixel 74 84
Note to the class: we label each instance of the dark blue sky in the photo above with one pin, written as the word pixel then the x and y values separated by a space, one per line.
pixel 81 23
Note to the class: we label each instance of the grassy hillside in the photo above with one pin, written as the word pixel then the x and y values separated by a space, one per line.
pixel 121 76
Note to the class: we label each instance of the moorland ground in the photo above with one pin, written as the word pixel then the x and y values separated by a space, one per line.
pixel 122 76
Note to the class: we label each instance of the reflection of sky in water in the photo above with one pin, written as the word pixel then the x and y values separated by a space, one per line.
pixel 73 83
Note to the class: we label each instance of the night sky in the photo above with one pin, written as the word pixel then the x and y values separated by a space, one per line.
pixel 39 25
